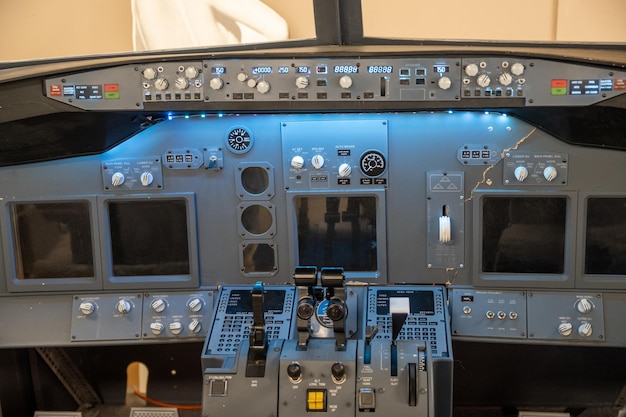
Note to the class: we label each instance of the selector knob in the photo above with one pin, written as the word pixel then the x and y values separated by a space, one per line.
pixel 161 84
pixel 505 78
pixel 124 306
pixel 521 173
pixel 345 81
pixel 181 83
pixel 158 305
pixel 157 328
pixel 195 326
pixel 195 305
pixel 216 83
pixel 444 83
pixel 297 162
pixel 263 87
pixel 584 306
pixel 483 80
pixel 344 170
pixel 117 179
pixel 550 173
pixel 338 370
pixel 191 72
pixel 302 82
pixel 565 329
pixel 251 83
pixel 471 70
pixel 149 73
pixel 517 68
pixel 294 371
pixel 146 178
pixel 242 76
pixel 317 161
pixel 176 327
pixel 585 330
pixel 87 308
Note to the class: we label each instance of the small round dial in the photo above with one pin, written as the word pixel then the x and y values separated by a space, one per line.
pixel 161 84
pixel 373 163
pixel 239 140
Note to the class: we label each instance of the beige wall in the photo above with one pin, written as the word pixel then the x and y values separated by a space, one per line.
pixel 40 29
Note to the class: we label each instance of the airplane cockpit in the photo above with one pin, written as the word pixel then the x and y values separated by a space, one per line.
pixel 345 226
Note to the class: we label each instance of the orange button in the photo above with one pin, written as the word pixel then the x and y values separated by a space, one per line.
pixel 111 87
pixel 559 83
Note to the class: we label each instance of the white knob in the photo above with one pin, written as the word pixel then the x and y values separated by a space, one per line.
pixel 302 82
pixel 242 76
pixel 149 73
pixel 345 81
pixel 483 80
pixel 117 179
pixel 585 330
pixel 146 178
pixel 521 173
pixel 344 170
pixel 124 306
pixel 565 329
pixel 263 87
pixel 490 314
pixel 251 83
pixel 157 328
pixel 191 72
pixel 550 173
pixel 297 162
pixel 176 327
pixel 584 306
pixel 471 70
pixel 158 305
pixel 87 307
pixel 195 326
pixel 505 78
pixel 317 161
pixel 517 68
pixel 181 83
pixel 216 83
pixel 195 305
pixel 161 84
pixel 444 83
pixel 467 310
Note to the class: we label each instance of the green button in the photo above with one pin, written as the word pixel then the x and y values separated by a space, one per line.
pixel 559 91
pixel 112 95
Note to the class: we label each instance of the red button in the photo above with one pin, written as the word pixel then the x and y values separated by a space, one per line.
pixel 55 90
pixel 111 87
pixel 559 83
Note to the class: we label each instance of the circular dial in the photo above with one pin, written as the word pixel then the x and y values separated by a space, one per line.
pixel 444 83
pixel 161 84
pixel 373 163
pixel 483 80
pixel 345 81
pixel 505 79
pixel 149 73
pixel 317 161
pixel 517 68
pixel 216 83
pixel 181 83
pixel 191 72
pixel 239 140
pixel 550 173
pixel 302 82
pixel 521 173
pixel 471 70
pixel 263 87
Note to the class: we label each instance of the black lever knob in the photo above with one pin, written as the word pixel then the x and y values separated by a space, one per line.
pixel 294 371
pixel 305 309
pixel 335 312
pixel 338 370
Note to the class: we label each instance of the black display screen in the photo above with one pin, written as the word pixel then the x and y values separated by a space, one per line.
pixel 52 240
pixel 337 231
pixel 605 242
pixel 149 237
pixel 421 302
pixel 524 235
pixel 240 302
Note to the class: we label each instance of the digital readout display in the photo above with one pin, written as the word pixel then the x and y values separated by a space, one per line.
pixel 240 302
pixel 346 69
pixel 380 69
pixel 421 302
pixel 303 70
pixel 283 70
pixel 441 69
pixel 218 70
pixel 262 70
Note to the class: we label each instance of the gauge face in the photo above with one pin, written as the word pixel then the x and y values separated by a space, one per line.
pixel 239 140
pixel 373 164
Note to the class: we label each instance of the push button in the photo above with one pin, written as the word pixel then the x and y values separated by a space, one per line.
pixel 218 388
pixel 316 400
pixel 367 399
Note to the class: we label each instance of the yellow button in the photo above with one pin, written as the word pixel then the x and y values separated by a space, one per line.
pixel 316 400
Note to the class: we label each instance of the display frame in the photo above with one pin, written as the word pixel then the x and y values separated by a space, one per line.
pixel 50 284
pixel 111 281
pixel 377 276
pixel 525 280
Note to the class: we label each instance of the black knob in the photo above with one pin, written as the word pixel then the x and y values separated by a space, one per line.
pixel 335 312
pixel 294 371
pixel 305 310
pixel 338 370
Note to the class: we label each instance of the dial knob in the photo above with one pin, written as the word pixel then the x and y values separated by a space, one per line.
pixel 157 328
pixel 305 310
pixel 297 162
pixel 251 83
pixel 302 82
pixel 335 312
pixel 117 179
pixel 195 326
pixel 521 173
pixel 87 308
pixel 161 84
pixel 216 83
pixel 345 81
pixel 176 327
pixel 471 70
pixel 584 306
pixel 444 83
pixel 181 83
pixel 242 76
pixel 505 78
pixel 191 72
pixel 565 329
pixel 294 371
pixel 146 178
pixel 550 173
pixel 149 73
pixel 338 370
pixel 344 170
pixel 263 87
pixel 158 305
pixel 124 306
pixel 317 161
pixel 585 330
pixel 517 68
pixel 483 80
pixel 195 305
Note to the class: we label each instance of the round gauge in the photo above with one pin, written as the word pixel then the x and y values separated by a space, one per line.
pixel 239 140
pixel 373 163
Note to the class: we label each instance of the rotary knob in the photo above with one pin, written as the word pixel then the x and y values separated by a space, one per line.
pixel 195 326
pixel 87 308
pixel 251 83
pixel 344 170
pixel 521 173
pixel 585 330
pixel 483 80
pixel 317 161
pixel 263 87
pixel 584 306
pixel 158 305
pixel 191 72
pixel 242 76
pixel 297 162
pixel 294 371
pixel 149 73
pixel 176 327
pixel 117 179
pixel 181 83
pixel 471 70
pixel 565 329
pixel 157 328
pixel 550 173
pixel 124 306
pixel 505 78
pixel 517 68
pixel 444 83
pixel 195 305
pixel 345 81
pixel 216 83
pixel 146 178
pixel 302 82
pixel 161 84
